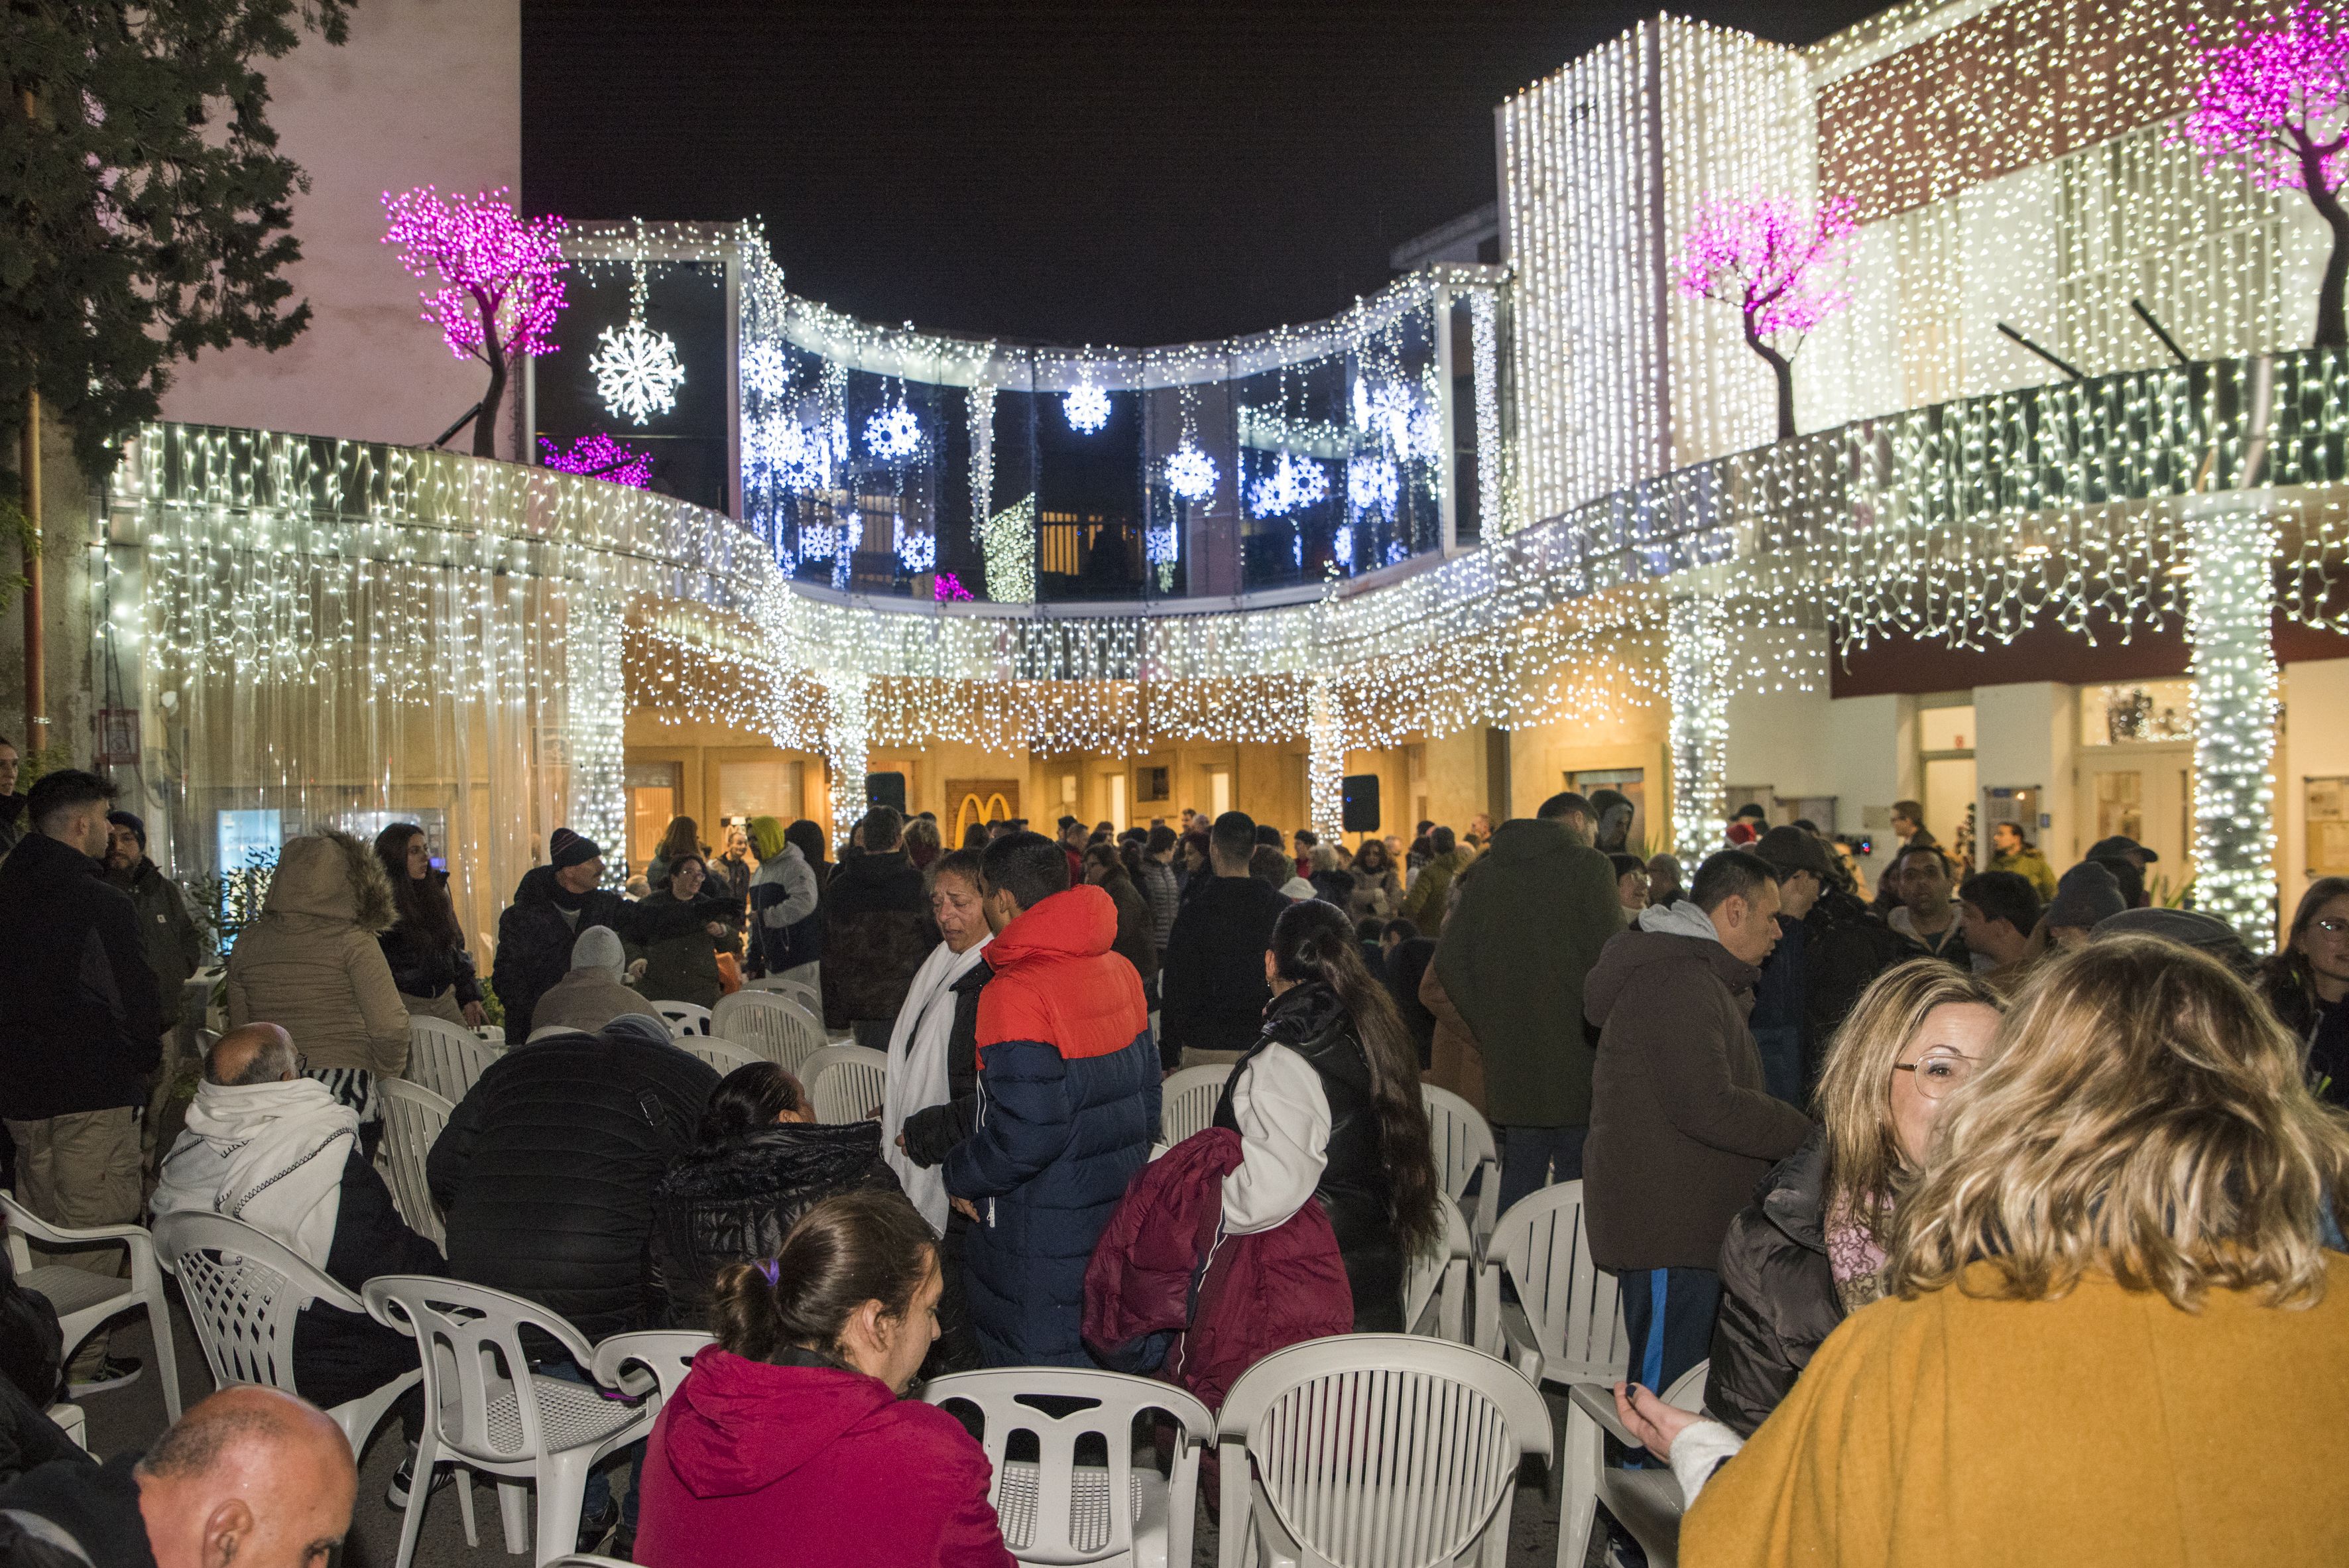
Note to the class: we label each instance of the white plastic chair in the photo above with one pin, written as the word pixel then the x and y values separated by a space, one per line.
pixel 86 1302
pixel 500 1418
pixel 447 1059
pixel 1567 1325
pixel 1374 1449
pixel 720 1054
pixel 1464 1145
pixel 1435 1284
pixel 1647 1502
pixel 684 1017
pixel 666 1353
pixel 769 1025
pixel 1055 1511
pixel 245 1291
pixel 74 1423
pixel 1186 1101
pixel 413 1117
pixel 845 1082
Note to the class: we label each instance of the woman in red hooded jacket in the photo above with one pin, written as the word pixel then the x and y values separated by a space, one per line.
pixel 789 1441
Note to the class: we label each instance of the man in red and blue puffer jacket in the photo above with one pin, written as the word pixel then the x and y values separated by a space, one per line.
pixel 1068 1105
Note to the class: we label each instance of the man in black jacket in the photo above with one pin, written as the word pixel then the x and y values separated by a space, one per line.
pixel 80 1030
pixel 877 929
pixel 174 947
pixel 1212 989
pixel 552 905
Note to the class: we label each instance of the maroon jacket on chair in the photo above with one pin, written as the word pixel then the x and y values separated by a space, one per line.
pixel 1260 1294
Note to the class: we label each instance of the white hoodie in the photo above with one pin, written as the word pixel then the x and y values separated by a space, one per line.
pixel 270 1155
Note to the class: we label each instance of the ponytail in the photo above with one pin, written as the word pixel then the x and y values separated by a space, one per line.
pixel 1312 942
pixel 844 1251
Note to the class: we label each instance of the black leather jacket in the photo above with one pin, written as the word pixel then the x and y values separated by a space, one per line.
pixel 1778 1293
pixel 734 1202
pixel 1310 1020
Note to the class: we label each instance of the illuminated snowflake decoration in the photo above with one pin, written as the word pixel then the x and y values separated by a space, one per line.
pixel 637 371
pixel 1342 545
pixel 766 369
pixel 817 544
pixel 917 552
pixel 782 451
pixel 1160 544
pixel 1190 473
pixel 1397 552
pixel 893 435
pixel 1372 484
pixel 1087 407
pixel 1398 417
pixel 1294 483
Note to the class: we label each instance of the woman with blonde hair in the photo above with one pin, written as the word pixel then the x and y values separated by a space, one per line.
pixel 1810 1249
pixel 2114 1265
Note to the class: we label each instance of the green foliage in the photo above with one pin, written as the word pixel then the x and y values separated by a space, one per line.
pixel 38 761
pixel 146 204
pixel 223 905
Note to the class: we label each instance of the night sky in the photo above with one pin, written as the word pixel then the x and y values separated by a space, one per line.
pixel 1129 173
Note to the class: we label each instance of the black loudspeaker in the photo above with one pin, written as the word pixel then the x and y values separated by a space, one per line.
pixel 886 789
pixel 1361 802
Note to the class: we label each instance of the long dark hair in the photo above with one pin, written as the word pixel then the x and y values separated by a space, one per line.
pixel 420 908
pixel 809 839
pixel 747 1100
pixel 1371 847
pixel 1312 942
pixel 2287 973
pixel 844 1251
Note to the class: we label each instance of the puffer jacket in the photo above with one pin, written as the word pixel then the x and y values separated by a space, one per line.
pixel 424 964
pixel 680 957
pixel 534 940
pixel 876 931
pixel 1148 1309
pixel 1680 1126
pixel 734 1202
pixel 1778 1298
pixel 1068 1108
pixel 1310 1020
pixel 820 1466
pixel 311 964
pixel 547 1168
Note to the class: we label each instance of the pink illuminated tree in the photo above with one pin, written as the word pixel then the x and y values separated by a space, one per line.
pixel 2275 103
pixel 500 276
pixel 599 458
pixel 1781 263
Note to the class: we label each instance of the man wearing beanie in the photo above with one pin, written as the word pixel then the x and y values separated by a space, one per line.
pixel 174 947
pixel 2088 893
pixel 1831 947
pixel 552 904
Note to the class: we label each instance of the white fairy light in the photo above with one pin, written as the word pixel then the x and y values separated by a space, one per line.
pixel 1191 473
pixel 1372 483
pixel 916 551
pixel 1294 483
pixel 894 434
pixel 2231 607
pixel 766 368
pixel 637 371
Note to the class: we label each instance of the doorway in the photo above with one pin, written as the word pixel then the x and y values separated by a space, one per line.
pixel 2143 792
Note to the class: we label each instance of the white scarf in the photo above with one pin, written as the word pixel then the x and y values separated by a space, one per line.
pixel 270 1155
pixel 917 1069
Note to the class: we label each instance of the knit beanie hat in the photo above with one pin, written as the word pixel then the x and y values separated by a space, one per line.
pixel 598 947
pixel 2086 894
pixel 138 827
pixel 566 848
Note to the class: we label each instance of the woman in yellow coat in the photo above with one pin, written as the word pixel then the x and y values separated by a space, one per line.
pixel 2116 1337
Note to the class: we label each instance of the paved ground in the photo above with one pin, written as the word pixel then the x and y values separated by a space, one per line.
pixel 128 1419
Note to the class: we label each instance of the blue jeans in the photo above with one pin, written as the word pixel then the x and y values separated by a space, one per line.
pixel 1534 1157
pixel 1781 1045
pixel 1669 1314
pixel 599 1481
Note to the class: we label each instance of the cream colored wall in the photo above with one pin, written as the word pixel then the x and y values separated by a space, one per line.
pixel 2029 733
pixel 2313 743
pixel 1541 756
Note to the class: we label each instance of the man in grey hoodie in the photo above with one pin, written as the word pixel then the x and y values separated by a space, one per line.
pixel 1681 1128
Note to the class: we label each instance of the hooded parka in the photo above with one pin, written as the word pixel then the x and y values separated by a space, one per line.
pixel 312 966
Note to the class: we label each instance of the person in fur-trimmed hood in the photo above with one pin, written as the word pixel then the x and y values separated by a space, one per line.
pixel 312 966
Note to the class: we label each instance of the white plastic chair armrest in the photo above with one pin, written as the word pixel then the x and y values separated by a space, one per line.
pixel 1485 1332
pixel 1597 1400
pixel 1519 1346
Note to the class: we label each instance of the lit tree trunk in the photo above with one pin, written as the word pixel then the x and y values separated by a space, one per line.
pixel 2331 325
pixel 1783 369
pixel 485 423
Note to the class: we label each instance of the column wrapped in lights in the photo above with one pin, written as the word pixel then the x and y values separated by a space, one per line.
pixel 845 750
pixel 596 687
pixel 2231 598
pixel 1697 646
pixel 1325 760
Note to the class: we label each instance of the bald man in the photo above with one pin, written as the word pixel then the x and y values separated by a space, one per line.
pixel 272 1149
pixel 250 1476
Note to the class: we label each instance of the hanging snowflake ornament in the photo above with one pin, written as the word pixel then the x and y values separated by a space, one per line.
pixel 767 369
pixel 779 450
pixel 1160 544
pixel 637 371
pixel 917 552
pixel 1341 547
pixel 1087 406
pixel 1293 482
pixel 1190 473
pixel 894 434
pixel 1372 483
pixel 1396 417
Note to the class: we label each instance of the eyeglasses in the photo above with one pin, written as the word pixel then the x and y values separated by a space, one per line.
pixel 1938 1072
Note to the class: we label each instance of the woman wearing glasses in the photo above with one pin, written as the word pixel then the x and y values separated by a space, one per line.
pixel 1810 1249
pixel 2307 984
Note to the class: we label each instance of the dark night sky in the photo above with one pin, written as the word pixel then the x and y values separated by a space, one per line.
pixel 1107 172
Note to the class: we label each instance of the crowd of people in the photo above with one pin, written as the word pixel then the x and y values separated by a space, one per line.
pixel 1894 1164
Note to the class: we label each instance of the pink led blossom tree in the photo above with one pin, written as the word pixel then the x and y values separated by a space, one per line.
pixel 501 286
pixel 599 458
pixel 2275 102
pixel 1781 263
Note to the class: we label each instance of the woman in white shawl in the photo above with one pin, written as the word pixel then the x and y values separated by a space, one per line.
pixel 923 1074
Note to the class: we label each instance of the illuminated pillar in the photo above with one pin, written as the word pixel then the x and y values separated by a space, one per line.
pixel 1325 761
pixel 2231 543
pixel 845 750
pixel 1697 651
pixel 596 690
